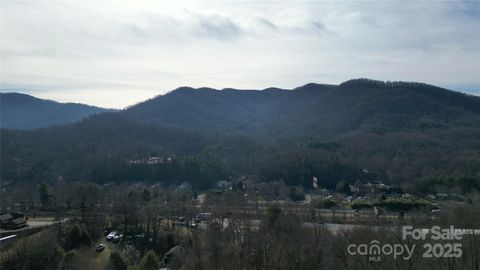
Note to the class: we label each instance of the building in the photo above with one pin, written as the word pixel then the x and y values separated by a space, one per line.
pixel 184 187
pixel 13 221
pixel 224 185
pixel 442 196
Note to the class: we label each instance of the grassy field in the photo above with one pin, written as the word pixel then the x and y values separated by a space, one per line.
pixel 91 259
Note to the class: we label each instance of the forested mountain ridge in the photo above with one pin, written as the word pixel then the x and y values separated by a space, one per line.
pixel 404 133
pixel 21 111
pixel 309 110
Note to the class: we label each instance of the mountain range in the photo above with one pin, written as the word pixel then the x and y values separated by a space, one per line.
pixel 307 110
pixel 409 134
pixel 21 111
pixel 311 109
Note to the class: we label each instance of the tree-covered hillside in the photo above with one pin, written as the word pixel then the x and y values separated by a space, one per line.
pixel 20 111
pixel 409 134
pixel 312 109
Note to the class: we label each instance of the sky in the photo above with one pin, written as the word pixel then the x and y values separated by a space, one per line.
pixel 117 53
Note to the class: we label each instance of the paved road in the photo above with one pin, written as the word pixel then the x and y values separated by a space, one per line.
pixel 34 223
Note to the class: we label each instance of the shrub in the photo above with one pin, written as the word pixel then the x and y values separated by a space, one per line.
pixel 78 235
pixel 117 262
pixel 150 261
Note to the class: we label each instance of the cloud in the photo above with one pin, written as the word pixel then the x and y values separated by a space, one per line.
pixel 319 26
pixel 269 24
pixel 120 52
pixel 217 27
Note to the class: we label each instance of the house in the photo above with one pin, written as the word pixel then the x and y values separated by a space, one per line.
pixel 109 184
pixel 184 187
pixel 17 223
pixel 383 187
pixel 13 221
pixel 442 196
pixel 5 218
pixel 224 185
pixel 369 187
pixel 347 200
pixel 353 189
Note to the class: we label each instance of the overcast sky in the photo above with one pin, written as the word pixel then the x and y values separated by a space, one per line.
pixel 115 54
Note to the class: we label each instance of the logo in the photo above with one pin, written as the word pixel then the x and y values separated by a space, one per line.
pixel 436 248
pixel 375 250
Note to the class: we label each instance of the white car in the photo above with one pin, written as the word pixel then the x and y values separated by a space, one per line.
pixel 117 238
pixel 111 235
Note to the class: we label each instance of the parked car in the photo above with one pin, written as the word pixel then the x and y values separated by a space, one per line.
pixel 118 237
pixel 100 247
pixel 111 235
pixel 197 220
pixel 192 224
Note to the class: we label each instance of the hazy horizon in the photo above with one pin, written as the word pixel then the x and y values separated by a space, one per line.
pixel 472 91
